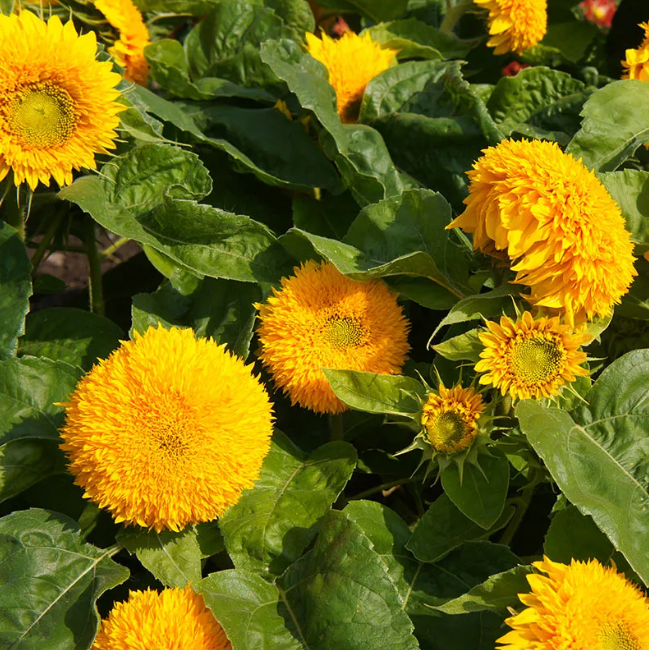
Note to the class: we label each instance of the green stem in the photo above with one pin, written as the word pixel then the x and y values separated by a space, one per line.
pixel 44 244
pixel 336 431
pixel 454 14
pixel 108 251
pixel 94 268
pixel 521 509
pixel 380 488
pixel 12 212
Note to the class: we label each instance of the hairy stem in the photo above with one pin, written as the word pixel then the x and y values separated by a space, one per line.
pixel 45 243
pixel 454 14
pixel 336 431
pixel 521 508
pixel 94 268
pixel 381 488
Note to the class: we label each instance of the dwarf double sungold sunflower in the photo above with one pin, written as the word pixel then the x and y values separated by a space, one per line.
pixel 168 431
pixel 58 105
pixel 322 319
pixel 581 606
pixel 530 358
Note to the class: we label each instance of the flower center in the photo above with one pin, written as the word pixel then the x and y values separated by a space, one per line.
pixel 617 636
pixel 447 430
pixel 342 332
pixel 42 116
pixel 169 435
pixel 536 360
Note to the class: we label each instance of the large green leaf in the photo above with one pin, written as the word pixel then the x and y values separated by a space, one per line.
pixel 630 189
pixel 375 10
pixel 250 611
pixel 612 127
pixel 15 289
pixel 147 195
pixel 29 420
pixel 599 453
pixel 271 525
pixel 372 393
pixel 51 581
pixel 75 336
pixel 479 492
pixel 173 558
pixel 477 631
pixel 342 596
pixel 358 151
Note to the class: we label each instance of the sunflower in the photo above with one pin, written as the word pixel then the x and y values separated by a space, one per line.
pixel 515 25
pixel 581 606
pixel 636 63
pixel 352 61
pixel 530 358
pixel 58 104
pixel 322 319
pixel 450 418
pixel 557 224
pixel 174 619
pixel 168 430
pixel 128 50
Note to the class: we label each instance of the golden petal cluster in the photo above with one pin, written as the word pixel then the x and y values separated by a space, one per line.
pixel 515 25
pixel 581 606
pixel 173 619
pixel 636 62
pixel 450 418
pixel 352 61
pixel 323 319
pixel 128 50
pixel 58 104
pixel 530 358
pixel 168 431
pixel 560 228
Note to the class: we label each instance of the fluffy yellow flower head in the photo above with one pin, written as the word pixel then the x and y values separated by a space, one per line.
pixel 583 606
pixel 322 319
pixel 530 358
pixel 128 50
pixel 451 417
pixel 174 619
pixel 515 25
pixel 58 104
pixel 352 61
pixel 636 64
pixel 168 431
pixel 556 222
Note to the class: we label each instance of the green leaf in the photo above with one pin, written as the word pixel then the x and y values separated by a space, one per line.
pixel 572 38
pixel 479 492
pixel 296 13
pixel 630 190
pixel 598 454
pixel 497 594
pixel 464 347
pixel 194 7
pixel 249 610
pixel 375 10
pixel 166 307
pixel 51 581
pixel 75 336
pixel 414 39
pixel 358 151
pixel 341 594
pixel 7 7
pixel 372 393
pixel 330 216
pixel 15 289
pixel 612 127
pixel 146 195
pixel 173 558
pixel 29 420
pixel 444 528
pixel 271 525
pixel 477 631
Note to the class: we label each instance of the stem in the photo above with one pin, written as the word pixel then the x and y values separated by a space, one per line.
pixel 453 15
pixel 380 488
pixel 521 509
pixel 94 268
pixel 336 431
pixel 12 212
pixel 108 251
pixel 44 244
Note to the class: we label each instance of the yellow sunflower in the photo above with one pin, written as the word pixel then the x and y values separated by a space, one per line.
pixel 636 63
pixel 556 223
pixel 58 105
pixel 168 431
pixel 581 606
pixel 450 418
pixel 174 619
pixel 128 50
pixel 530 358
pixel 352 61
pixel 322 319
pixel 515 25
